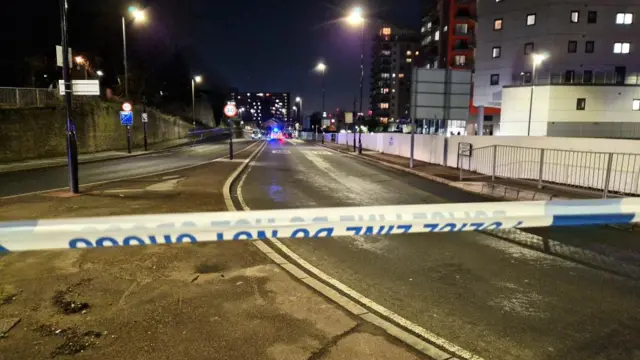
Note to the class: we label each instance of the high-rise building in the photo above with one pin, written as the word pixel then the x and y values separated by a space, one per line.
pixel 393 53
pixel 264 106
pixel 448 34
pixel 549 63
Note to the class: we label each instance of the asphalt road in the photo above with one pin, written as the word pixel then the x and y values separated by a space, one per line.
pixel 20 182
pixel 493 298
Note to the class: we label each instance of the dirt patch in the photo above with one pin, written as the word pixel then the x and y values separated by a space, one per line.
pixel 75 341
pixel 63 299
pixel 210 267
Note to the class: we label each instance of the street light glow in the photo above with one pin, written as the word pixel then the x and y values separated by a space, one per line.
pixel 79 60
pixel 298 99
pixel 538 58
pixel 355 17
pixel 99 73
pixel 198 79
pixel 321 67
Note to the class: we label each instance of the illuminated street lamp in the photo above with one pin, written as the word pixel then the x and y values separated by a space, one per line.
pixel 356 18
pixel 321 68
pixel 536 60
pixel 138 16
pixel 99 73
pixel 195 80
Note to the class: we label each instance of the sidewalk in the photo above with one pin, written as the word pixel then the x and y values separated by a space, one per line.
pixel 611 248
pixel 211 300
pixel 91 157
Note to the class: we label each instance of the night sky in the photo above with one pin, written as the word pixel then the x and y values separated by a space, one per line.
pixel 270 45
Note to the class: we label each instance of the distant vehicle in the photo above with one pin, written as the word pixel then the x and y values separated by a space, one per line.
pixel 256 134
pixel 276 135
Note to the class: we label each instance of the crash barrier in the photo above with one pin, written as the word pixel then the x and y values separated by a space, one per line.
pixel 310 223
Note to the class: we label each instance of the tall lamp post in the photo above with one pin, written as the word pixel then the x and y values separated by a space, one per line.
pixel 72 144
pixel 194 80
pixel 322 68
pixel 536 59
pixel 355 18
pixel 299 101
pixel 138 16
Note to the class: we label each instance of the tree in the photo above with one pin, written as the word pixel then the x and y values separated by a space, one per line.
pixel 316 119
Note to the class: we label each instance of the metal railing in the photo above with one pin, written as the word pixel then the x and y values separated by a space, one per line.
pixel 577 78
pixel 28 97
pixel 605 173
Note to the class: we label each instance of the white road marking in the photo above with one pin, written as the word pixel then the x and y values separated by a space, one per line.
pixel 392 329
pixel 317 152
pixel 277 151
pixel 295 141
pixel 131 177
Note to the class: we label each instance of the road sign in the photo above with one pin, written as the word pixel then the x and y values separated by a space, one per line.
pixel 230 110
pixel 59 58
pixel 145 117
pixel 126 118
pixel 82 87
pixel 127 106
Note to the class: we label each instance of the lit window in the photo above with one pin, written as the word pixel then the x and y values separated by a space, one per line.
pixel 393 75
pixel 621 48
pixel 497 24
pixel 386 31
pixel 408 52
pixel 384 105
pixel 496 52
pixel 423 29
pixel 575 16
pixel 408 60
pixel 445 28
pixel 429 25
pixel 436 36
pixel 460 60
pixel 417 52
pixel 624 18
pixel 393 90
pixel 384 75
pixel 531 19
pixel 385 90
pixel 401 75
pixel 636 105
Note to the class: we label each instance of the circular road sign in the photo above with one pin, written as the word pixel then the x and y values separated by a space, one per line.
pixel 230 110
pixel 127 106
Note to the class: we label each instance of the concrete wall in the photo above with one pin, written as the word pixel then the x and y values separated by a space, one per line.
pixel 40 132
pixel 608 113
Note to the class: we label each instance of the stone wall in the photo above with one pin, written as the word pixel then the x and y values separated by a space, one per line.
pixel 33 133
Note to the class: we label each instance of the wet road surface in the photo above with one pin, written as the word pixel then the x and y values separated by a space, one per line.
pixel 493 298
pixel 20 182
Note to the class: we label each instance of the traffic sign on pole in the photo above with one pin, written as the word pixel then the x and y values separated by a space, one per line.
pixel 230 110
pixel 126 118
pixel 145 117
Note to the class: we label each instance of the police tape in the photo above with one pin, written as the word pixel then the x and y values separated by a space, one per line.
pixel 309 223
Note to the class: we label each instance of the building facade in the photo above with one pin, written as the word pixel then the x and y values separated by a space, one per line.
pixel 394 50
pixel 263 106
pixel 448 35
pixel 593 43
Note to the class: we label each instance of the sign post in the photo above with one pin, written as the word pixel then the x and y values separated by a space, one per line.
pixel 145 120
pixel 126 119
pixel 230 111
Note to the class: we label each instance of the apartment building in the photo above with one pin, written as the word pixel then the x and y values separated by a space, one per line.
pixel 393 52
pixel 264 106
pixel 590 48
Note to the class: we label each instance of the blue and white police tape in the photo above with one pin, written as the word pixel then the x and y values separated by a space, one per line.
pixel 309 223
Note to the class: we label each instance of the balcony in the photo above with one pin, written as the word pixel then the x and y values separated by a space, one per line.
pixel 464 14
pixel 577 78
pixel 463 45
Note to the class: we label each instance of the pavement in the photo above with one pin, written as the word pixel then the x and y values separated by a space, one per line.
pixel 493 298
pixel 56 177
pixel 205 301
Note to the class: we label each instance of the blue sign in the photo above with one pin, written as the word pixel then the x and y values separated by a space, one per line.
pixel 126 118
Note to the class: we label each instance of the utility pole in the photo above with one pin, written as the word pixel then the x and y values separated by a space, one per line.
pixel 72 144
pixel 144 123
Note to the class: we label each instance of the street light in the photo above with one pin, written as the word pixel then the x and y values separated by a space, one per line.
pixel 299 101
pixel 138 16
pixel 356 18
pixel 99 73
pixel 195 80
pixel 321 68
pixel 536 59
pixel 81 61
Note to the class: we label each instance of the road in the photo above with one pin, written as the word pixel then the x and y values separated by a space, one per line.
pixel 493 298
pixel 20 182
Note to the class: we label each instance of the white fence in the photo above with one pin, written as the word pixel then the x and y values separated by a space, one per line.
pixel 606 165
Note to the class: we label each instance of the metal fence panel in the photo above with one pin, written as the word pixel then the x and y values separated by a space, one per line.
pixel 28 97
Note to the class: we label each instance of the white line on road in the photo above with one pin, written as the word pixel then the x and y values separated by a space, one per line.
pixel 131 177
pixel 348 304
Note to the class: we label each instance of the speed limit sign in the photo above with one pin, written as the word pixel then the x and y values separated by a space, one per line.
pixel 230 110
